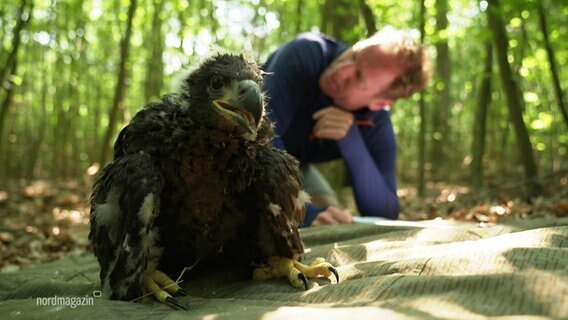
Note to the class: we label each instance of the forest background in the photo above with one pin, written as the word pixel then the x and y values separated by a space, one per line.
pixel 490 131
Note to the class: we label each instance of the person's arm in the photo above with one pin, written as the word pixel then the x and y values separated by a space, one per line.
pixel 291 73
pixel 371 168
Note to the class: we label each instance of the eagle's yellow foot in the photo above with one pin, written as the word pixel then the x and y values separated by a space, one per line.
pixel 297 273
pixel 162 288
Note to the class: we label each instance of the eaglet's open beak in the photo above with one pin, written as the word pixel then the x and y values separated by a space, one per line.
pixel 242 106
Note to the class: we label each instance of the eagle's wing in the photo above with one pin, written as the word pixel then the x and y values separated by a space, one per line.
pixel 285 203
pixel 124 205
pixel 150 128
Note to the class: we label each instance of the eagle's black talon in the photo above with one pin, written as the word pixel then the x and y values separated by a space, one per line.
pixel 334 271
pixel 182 292
pixel 302 277
pixel 175 304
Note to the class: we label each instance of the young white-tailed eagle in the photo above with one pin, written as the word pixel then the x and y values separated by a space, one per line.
pixel 194 175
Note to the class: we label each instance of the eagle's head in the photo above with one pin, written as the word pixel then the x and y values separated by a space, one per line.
pixel 225 93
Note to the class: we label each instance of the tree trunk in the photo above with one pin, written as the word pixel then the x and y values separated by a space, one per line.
pixel 213 23
pixel 552 62
pixel 368 17
pixel 514 103
pixel 10 69
pixel 23 19
pixel 35 149
pixel 299 15
pixel 76 124
pixel 340 17
pixel 58 120
pixel 480 125
pixel 327 12
pixel 155 69
pixel 117 105
pixel 422 108
pixel 441 134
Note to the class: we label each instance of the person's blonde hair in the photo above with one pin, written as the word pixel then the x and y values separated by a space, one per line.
pixel 411 55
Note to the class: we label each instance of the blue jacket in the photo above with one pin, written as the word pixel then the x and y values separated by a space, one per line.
pixel 369 152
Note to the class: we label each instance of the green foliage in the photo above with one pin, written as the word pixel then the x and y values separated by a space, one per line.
pixel 69 58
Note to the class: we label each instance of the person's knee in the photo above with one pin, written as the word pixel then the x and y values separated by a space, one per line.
pixel 324 200
pixel 317 186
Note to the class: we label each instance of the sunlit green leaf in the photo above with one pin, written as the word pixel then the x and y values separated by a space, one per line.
pixel 543 122
pixel 531 97
pixel 516 22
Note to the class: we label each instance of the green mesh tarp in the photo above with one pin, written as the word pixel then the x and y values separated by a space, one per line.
pixel 392 271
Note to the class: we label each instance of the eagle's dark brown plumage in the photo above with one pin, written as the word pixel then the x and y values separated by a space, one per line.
pixel 193 175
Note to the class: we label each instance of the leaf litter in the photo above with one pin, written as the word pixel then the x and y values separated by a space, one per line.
pixel 42 221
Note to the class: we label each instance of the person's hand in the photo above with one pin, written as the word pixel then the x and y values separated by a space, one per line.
pixel 332 123
pixel 333 215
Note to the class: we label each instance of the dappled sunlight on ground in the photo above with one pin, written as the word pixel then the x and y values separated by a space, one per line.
pixel 440 308
pixel 456 202
pixel 326 312
pixel 42 221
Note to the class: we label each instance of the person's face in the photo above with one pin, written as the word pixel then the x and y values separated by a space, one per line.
pixel 356 79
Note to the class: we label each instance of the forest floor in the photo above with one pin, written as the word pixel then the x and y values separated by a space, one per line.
pixel 43 221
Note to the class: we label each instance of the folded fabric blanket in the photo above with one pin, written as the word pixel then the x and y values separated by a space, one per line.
pixel 419 270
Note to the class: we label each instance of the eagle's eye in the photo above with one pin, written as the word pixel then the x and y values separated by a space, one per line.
pixel 216 83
